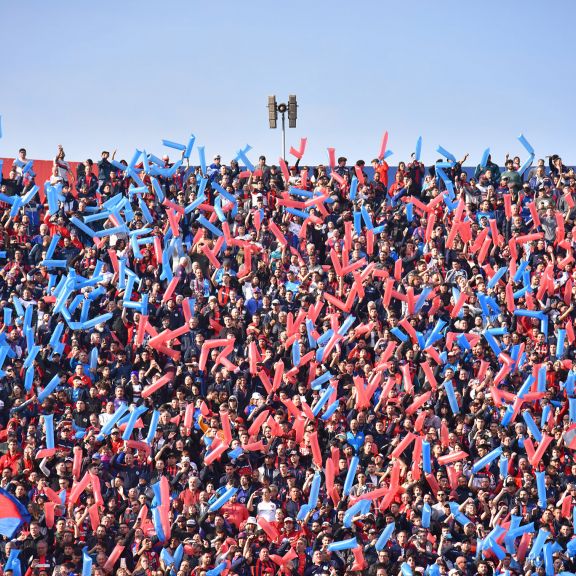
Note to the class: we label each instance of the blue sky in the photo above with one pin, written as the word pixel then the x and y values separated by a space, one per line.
pixel 126 74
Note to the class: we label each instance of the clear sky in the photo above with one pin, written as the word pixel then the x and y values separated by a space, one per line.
pixel 123 74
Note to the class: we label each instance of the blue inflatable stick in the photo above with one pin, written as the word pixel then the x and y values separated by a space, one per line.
pixel 351 475
pixel 490 457
pixel 316 384
pixel 353 188
pixel 50 387
pixel 343 545
pixel 385 536
pixel 484 160
pixel 526 144
pixel 202 157
pixel 426 457
pixel 451 396
pixel 503 468
pixel 314 490
pixel 86 562
pixel 189 147
pixel 531 425
pixel 330 410
pixel 418 148
pixel 175 145
pixel 223 499
pixel 322 400
pixel 49 430
pixel 152 427
pixel 426 514
pixel 541 486
pixel 538 544
pixel 136 413
pixel 296 353
pixel 217 570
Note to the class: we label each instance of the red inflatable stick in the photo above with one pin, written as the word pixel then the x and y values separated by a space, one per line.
pixel 162 381
pixel 300 152
pixel 113 558
pixel 315 447
pixel 383 146
pixel 255 426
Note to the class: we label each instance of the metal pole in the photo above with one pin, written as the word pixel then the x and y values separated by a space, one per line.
pixel 283 136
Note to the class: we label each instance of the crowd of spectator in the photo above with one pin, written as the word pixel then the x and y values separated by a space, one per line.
pixel 392 286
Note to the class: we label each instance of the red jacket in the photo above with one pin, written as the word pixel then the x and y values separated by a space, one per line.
pixel 10 461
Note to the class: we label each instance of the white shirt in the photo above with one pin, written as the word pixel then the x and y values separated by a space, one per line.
pixel 267 510
pixel 104 418
pixel 62 169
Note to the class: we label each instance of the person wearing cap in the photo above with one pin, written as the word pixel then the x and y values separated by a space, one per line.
pixel 214 168
pixel 250 525
pixel 290 530
pixel 256 403
pixel 254 303
pixel 295 467
pixel 179 528
pixel 263 170
pixel 105 167
pixel 268 470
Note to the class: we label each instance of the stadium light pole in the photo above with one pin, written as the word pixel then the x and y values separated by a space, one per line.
pixel 290 109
